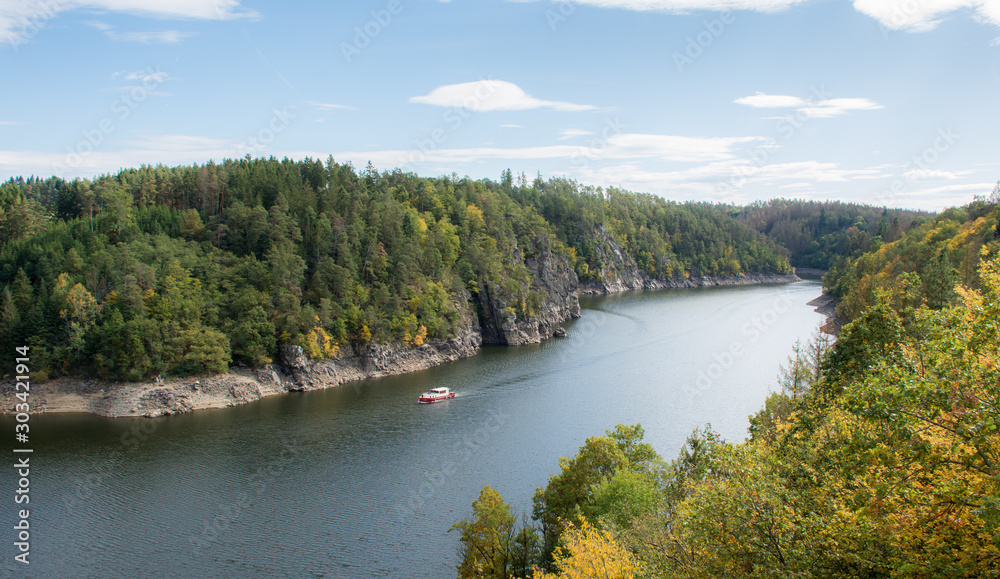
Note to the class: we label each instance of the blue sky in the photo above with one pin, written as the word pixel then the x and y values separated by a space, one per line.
pixel 889 102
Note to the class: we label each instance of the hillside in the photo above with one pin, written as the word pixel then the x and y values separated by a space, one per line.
pixel 923 265
pixel 188 270
pixel 879 457
pixel 817 233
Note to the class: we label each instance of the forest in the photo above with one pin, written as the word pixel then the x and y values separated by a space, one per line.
pixel 878 456
pixel 174 271
pixel 818 233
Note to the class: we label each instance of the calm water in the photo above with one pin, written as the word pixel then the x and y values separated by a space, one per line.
pixel 360 481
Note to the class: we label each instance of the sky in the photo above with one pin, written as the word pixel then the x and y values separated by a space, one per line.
pixel 886 102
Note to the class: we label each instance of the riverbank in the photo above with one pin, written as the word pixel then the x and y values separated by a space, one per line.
pixel 644 283
pixel 296 373
pixel 239 385
pixel 827 305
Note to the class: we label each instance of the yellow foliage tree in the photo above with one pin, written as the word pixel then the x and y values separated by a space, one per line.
pixel 80 312
pixel 318 344
pixel 364 334
pixel 590 553
pixel 476 220
pixel 418 340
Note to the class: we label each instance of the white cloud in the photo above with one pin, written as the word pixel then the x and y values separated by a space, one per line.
pixel 158 37
pixel 811 170
pixel 148 76
pixel 674 148
pixel 148 149
pixel 814 108
pixel 771 101
pixel 938 198
pixel 21 19
pixel 102 26
pixel 802 173
pixel 735 180
pixel 679 6
pixel 510 126
pixel 624 146
pixel 169 151
pixel 11 122
pixel 923 15
pixel 911 15
pixel 491 95
pixel 837 107
pixel 571 133
pixel 148 80
pixel 928 174
pixel 983 188
pixel 331 106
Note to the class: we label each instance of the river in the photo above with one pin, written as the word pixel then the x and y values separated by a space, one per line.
pixel 360 480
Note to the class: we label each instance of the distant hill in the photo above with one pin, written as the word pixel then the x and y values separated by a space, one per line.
pixel 816 233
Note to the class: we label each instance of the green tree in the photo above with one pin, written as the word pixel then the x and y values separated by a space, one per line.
pixel 488 539
pixel 625 496
pixel 568 496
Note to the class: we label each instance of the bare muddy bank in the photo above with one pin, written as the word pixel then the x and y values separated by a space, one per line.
pixel 827 305
pixel 642 282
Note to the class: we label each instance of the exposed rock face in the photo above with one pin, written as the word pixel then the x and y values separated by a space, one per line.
pixel 379 360
pixel 297 364
pixel 622 273
pixel 554 279
pixel 691 282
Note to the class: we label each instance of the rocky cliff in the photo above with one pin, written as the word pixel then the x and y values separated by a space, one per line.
pixel 555 281
pixel 552 278
pixel 622 273
pixel 553 284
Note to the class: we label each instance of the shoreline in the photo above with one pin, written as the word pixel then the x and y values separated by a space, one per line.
pixel 623 285
pixel 826 305
pixel 243 385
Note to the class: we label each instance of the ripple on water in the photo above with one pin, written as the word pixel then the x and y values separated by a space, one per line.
pixel 361 481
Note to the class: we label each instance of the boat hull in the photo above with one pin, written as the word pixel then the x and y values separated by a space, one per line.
pixel 433 399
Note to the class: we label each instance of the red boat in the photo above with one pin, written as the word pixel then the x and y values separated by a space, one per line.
pixel 436 395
